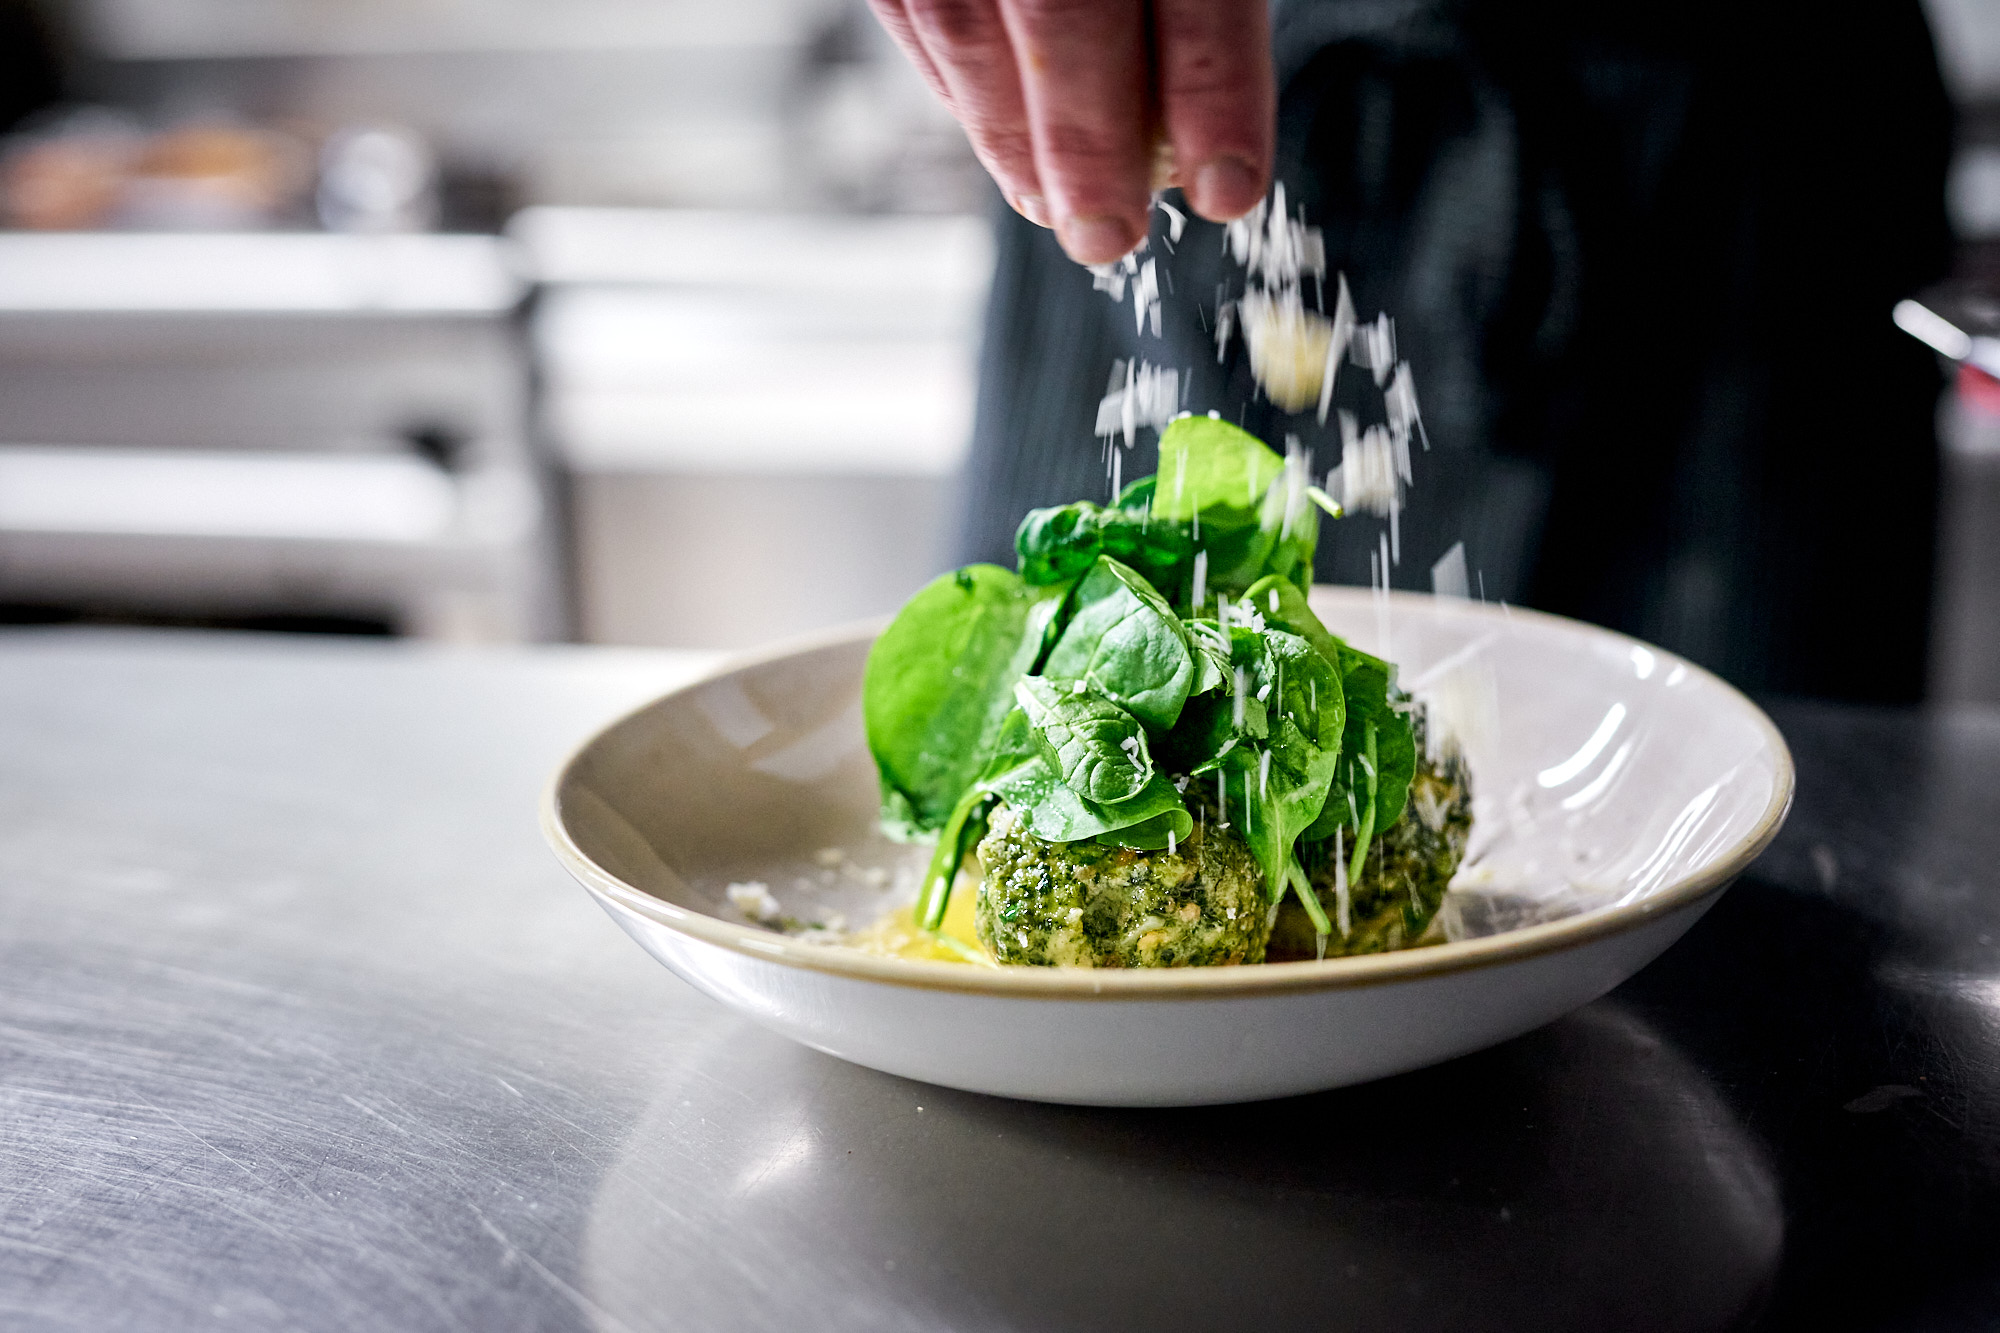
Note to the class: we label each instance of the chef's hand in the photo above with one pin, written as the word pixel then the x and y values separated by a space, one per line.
pixel 1059 99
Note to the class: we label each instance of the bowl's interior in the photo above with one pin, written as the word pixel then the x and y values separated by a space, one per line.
pixel 1605 772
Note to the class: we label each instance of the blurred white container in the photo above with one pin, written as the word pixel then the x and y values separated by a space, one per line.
pixel 763 414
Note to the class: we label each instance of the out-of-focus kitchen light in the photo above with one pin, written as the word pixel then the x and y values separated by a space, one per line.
pixel 1946 338
pixel 1932 329
pixel 347 497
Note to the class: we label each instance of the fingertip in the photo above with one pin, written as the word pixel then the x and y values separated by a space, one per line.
pixel 1225 188
pixel 1032 207
pixel 1097 240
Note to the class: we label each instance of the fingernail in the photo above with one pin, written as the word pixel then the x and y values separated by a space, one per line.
pixel 1097 240
pixel 1032 207
pixel 1226 188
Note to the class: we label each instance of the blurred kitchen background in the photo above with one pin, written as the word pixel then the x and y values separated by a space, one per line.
pixel 634 321
pixel 627 321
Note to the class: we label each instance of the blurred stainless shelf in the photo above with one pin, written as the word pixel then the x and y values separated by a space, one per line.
pixel 207 29
pixel 260 423
pixel 252 273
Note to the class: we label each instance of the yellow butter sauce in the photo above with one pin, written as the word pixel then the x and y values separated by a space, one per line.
pixel 898 935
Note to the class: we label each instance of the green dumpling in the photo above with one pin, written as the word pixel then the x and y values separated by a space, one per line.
pixel 1404 876
pixel 1083 904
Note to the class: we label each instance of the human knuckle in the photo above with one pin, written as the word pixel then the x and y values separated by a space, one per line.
pixel 1207 75
pixel 1007 145
pixel 1007 160
pixel 1083 143
pixel 1057 13
pixel 957 23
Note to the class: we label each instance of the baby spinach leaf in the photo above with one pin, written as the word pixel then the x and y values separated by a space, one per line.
pixel 1367 687
pixel 1269 740
pixel 962 831
pixel 1372 682
pixel 1137 497
pixel 1019 773
pixel 1371 793
pixel 1319 684
pixel 899 817
pixel 1208 464
pixel 1013 747
pixel 1097 747
pixel 1058 544
pixel 1284 779
pixel 1054 545
pixel 1307 688
pixel 1160 552
pixel 1125 643
pixel 1211 656
pixel 1022 776
pixel 1396 765
pixel 1210 728
pixel 939 684
pixel 1283 604
pixel 1291 791
pixel 1215 722
pixel 1270 793
pixel 1243 504
pixel 1165 829
pixel 1050 810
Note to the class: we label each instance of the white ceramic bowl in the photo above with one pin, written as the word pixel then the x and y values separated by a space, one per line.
pixel 1620 789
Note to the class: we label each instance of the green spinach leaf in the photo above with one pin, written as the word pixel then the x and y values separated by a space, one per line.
pixel 1245 506
pixel 1124 642
pixel 1097 747
pixel 1212 669
pixel 1058 544
pixel 1307 687
pixel 1052 811
pixel 1379 752
pixel 1283 794
pixel 1054 545
pixel 940 682
pixel 1283 603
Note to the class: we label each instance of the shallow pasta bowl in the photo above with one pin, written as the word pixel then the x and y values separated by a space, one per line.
pixel 1619 791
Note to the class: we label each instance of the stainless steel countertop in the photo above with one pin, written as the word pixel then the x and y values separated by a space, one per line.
pixel 301 1027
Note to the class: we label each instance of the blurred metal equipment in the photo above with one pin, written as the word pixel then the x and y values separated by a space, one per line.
pixel 1966 647
pixel 660 102
pixel 217 425
pixel 763 414
pixel 1961 321
pixel 377 180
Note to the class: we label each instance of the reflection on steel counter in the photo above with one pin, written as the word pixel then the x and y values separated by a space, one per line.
pixel 302 1028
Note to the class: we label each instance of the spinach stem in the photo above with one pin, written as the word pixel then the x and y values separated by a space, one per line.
pixel 1325 501
pixel 958 946
pixel 1309 900
pixel 1365 830
pixel 965 827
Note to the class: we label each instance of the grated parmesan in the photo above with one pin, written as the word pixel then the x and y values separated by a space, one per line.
pixel 754 900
